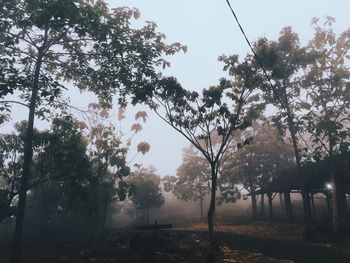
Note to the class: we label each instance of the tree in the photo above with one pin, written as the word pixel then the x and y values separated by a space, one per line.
pixel 45 44
pixel 11 162
pixel 65 183
pixel 10 148
pixel 328 101
pixel 255 165
pixel 192 178
pixel 283 61
pixel 221 110
pixel 147 192
pixel 108 156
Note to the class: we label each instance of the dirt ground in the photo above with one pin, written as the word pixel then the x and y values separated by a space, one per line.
pixel 257 242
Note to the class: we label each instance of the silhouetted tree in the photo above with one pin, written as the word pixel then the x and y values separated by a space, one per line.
pixel 256 164
pixel 147 191
pixel 192 181
pixel 327 101
pixel 11 163
pixel 65 182
pixel 44 44
pixel 221 110
pixel 283 61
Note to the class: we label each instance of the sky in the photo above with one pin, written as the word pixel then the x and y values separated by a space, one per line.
pixel 209 30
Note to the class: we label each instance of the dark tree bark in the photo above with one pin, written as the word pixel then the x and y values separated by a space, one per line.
pixel 211 209
pixel 262 206
pixel 201 208
pixel 254 207
pixel 280 196
pixel 329 206
pixel 147 215
pixel 313 206
pixel 144 216
pixel 304 194
pixel 27 160
pixel 105 211
pixel 288 206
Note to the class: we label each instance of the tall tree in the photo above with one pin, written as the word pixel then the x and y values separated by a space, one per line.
pixel 283 61
pixel 192 181
pixel 65 181
pixel 147 191
pixel 256 164
pixel 44 44
pixel 108 156
pixel 220 110
pixel 327 100
pixel 11 163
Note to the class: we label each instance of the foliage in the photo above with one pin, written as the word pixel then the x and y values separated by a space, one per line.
pixel 65 179
pixel 327 88
pixel 147 191
pixel 11 161
pixel 207 120
pixel 256 164
pixel 192 181
pixel 88 44
pixel 284 62
pixel 192 178
pixel 107 155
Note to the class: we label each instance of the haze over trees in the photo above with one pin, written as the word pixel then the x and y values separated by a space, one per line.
pixel 219 110
pixel 255 165
pixel 192 180
pixel 146 193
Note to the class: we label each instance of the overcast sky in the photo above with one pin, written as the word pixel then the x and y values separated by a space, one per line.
pixel 208 29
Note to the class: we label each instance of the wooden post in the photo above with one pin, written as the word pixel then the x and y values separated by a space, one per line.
pixel 288 205
pixel 329 208
pixel 269 196
pixel 262 206
pixel 253 197
pixel 313 206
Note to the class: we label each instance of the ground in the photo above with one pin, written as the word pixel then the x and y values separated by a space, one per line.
pixel 255 242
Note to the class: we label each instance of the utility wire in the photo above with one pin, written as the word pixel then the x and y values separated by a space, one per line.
pixel 255 54
pixel 262 67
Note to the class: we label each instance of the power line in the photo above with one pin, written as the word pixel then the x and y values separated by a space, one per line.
pixel 252 49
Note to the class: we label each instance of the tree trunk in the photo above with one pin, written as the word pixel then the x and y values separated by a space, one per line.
pixel 254 209
pixel 147 215
pixel 262 205
pixel 288 206
pixel 27 160
pixel 335 215
pixel 335 211
pixel 280 195
pixel 313 206
pixel 211 209
pixel 144 216
pixel 306 203
pixel 329 207
pixel 91 229
pixel 269 196
pixel 104 223
pixel 342 205
pixel 201 207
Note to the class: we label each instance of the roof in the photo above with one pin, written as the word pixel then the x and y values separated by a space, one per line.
pixel 315 176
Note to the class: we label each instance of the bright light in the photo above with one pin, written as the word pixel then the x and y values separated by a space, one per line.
pixel 329 186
